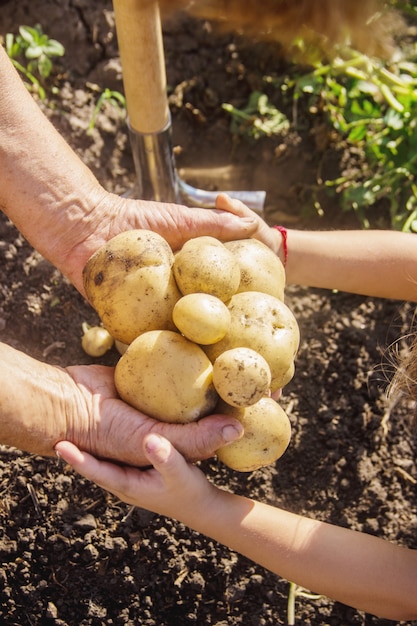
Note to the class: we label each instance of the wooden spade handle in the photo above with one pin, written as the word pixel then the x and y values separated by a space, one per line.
pixel 139 35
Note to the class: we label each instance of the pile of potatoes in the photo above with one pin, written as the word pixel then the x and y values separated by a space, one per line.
pixel 205 329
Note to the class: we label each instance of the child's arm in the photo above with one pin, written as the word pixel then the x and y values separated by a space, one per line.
pixel 376 263
pixel 380 263
pixel 357 569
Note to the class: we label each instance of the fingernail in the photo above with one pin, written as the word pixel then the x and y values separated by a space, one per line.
pixel 232 433
pixel 153 443
pixel 157 447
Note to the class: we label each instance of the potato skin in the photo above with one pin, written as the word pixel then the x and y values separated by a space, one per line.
pixel 201 318
pixel 241 376
pixel 120 346
pixel 96 341
pixel 167 377
pixel 260 268
pixel 130 283
pixel 205 265
pixel 265 324
pixel 266 437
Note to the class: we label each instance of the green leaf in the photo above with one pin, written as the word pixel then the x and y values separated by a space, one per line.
pixel 10 45
pixel 44 66
pixel 28 34
pixel 34 52
pixel 358 133
pixel 394 119
pixel 54 48
pixel 309 84
pixel 367 87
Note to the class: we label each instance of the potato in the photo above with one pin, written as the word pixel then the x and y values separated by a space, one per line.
pixel 289 374
pixel 120 346
pixel 260 268
pixel 167 377
pixel 205 265
pixel 130 283
pixel 265 324
pixel 241 376
pixel 96 341
pixel 266 437
pixel 201 318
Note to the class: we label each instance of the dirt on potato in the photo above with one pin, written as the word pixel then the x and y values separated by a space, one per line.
pixel 72 555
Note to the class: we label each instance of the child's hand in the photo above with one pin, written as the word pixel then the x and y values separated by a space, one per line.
pixel 269 236
pixel 172 487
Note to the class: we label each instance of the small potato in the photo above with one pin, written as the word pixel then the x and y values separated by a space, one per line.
pixel 241 376
pixel 266 437
pixel 260 268
pixel 265 324
pixel 205 265
pixel 120 346
pixel 167 377
pixel 201 318
pixel 96 341
pixel 130 283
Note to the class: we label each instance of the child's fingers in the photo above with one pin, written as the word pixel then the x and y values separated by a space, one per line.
pixel 70 453
pixel 86 464
pixel 269 236
pixel 110 476
pixel 164 457
pixel 225 203
pixel 160 453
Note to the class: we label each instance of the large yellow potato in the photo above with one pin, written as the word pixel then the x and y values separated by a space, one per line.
pixel 265 324
pixel 266 437
pixel 167 377
pixel 241 376
pixel 130 283
pixel 260 268
pixel 205 265
pixel 201 318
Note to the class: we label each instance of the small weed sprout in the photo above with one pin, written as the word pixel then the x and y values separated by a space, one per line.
pixel 31 52
pixel 115 98
pixel 295 591
pixel 258 119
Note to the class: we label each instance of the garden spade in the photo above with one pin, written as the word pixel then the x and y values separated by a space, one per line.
pixel 139 34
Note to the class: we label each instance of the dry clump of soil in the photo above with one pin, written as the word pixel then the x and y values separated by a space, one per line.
pixel 72 555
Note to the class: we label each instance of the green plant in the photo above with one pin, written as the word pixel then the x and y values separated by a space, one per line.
pixel 257 119
pixel 115 98
pixel 374 107
pixel 295 591
pixel 31 52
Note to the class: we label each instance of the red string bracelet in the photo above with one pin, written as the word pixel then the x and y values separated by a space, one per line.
pixel 284 234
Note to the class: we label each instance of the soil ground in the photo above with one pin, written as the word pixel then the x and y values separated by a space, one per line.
pixel 72 555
